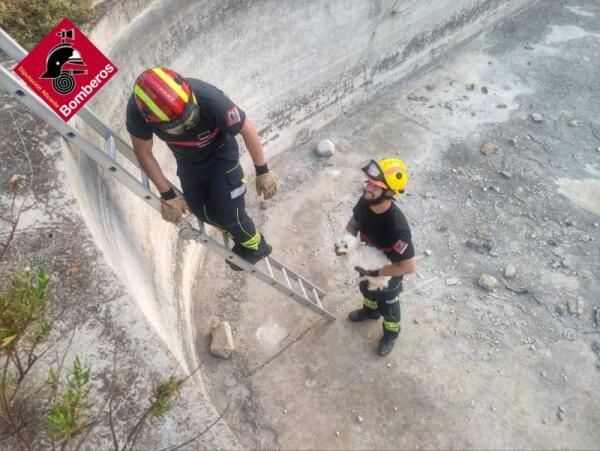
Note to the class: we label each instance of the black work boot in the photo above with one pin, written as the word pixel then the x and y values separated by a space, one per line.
pixel 386 344
pixel 362 314
pixel 251 256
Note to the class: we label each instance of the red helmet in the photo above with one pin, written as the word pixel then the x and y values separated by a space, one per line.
pixel 164 97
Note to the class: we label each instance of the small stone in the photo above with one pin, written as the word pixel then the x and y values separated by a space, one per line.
pixel 543 373
pixel 337 433
pixel 537 117
pixel 325 148
pixel 479 245
pixel 415 321
pixel 428 252
pixel 573 123
pixel 569 222
pixel 559 309
pixel 513 141
pixel 472 405
pixel 545 421
pixel 471 87
pixel 493 409
pixel 222 340
pixel 559 415
pixel 430 87
pixel 389 365
pixel 395 408
pixel 360 419
pixel 575 306
pixel 483 234
pixel 502 106
pixel 452 281
pixel 561 409
pixel 285 411
pixel 509 271
pixel 596 225
pixel 484 89
pixel 417 96
pixel 489 148
pixel 506 174
pixel 442 228
pixel 488 282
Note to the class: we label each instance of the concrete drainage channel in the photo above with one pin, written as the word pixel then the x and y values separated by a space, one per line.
pixel 329 69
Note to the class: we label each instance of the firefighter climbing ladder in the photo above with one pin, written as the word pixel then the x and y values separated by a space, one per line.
pixel 274 273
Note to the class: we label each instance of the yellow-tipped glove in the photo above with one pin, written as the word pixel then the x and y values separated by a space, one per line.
pixel 265 182
pixel 172 208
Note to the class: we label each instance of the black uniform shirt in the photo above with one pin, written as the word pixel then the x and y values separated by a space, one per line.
pixel 219 119
pixel 388 231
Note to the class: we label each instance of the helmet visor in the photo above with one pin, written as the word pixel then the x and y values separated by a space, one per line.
pixel 375 174
pixel 187 120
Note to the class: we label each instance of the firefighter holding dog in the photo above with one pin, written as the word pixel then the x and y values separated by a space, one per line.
pixel 383 225
pixel 198 123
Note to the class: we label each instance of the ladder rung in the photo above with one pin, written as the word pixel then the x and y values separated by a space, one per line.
pixel 317 297
pixel 303 289
pixel 287 280
pixel 269 267
pixel 110 147
pixel 145 181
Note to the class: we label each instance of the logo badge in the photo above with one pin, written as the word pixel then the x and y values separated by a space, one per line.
pixel 65 69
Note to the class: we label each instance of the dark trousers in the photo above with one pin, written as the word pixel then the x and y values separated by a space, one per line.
pixel 215 192
pixel 386 302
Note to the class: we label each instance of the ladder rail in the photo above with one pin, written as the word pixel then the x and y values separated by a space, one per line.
pixel 107 160
pixel 14 86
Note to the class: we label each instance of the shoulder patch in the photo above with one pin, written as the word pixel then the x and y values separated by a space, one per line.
pixel 233 116
pixel 400 246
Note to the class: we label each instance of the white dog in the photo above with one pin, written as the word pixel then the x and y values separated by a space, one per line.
pixel 364 256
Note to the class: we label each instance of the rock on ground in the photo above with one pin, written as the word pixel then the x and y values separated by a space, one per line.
pixel 489 148
pixel 510 271
pixel 488 282
pixel 325 148
pixel 222 340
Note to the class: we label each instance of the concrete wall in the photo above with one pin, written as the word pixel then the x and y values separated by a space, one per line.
pixel 292 65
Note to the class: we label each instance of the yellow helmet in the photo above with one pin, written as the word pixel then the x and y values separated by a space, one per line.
pixel 389 174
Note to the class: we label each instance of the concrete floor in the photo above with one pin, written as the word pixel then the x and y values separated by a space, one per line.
pixel 472 369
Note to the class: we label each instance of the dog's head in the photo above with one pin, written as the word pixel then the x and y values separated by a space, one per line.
pixel 346 244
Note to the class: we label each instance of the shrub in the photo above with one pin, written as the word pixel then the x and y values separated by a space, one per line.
pixel 28 21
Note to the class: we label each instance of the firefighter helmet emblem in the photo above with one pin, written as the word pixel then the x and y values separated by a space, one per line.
pixel 58 63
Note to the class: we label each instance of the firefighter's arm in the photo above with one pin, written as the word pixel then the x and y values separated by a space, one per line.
pixel 143 151
pixel 352 227
pixel 253 144
pixel 265 181
pixel 400 268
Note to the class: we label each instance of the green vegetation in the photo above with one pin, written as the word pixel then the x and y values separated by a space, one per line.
pixel 28 21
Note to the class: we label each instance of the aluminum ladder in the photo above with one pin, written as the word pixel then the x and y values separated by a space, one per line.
pixel 269 270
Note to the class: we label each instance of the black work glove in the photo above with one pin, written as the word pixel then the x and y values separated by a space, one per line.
pixel 367 272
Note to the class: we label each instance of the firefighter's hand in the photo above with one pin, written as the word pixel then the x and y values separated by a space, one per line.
pixel 366 272
pixel 172 210
pixel 266 185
